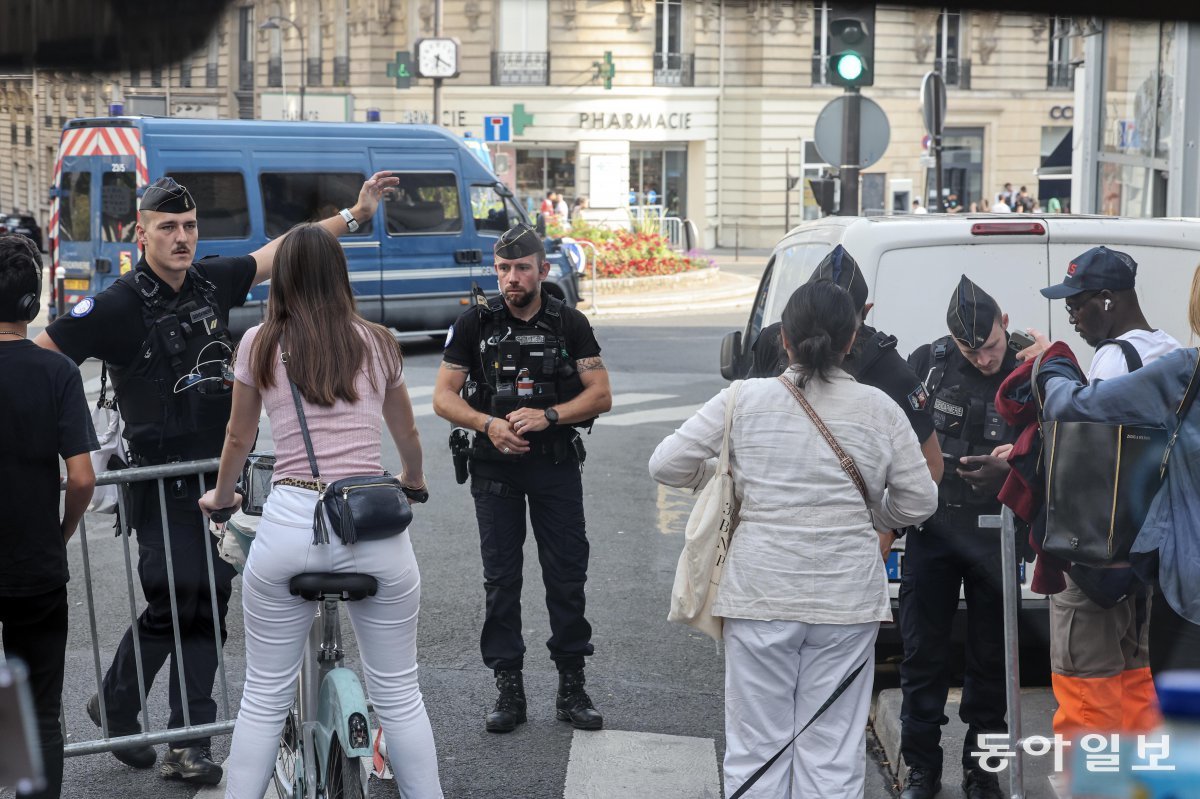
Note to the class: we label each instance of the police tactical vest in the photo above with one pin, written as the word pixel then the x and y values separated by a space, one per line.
pixel 179 383
pixel 859 367
pixel 965 418
pixel 508 347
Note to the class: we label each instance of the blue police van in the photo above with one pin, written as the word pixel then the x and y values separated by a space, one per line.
pixel 412 266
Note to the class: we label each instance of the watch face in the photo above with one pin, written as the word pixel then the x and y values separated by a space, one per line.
pixel 437 58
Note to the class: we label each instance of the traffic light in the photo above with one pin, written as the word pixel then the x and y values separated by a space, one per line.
pixel 852 45
pixel 822 189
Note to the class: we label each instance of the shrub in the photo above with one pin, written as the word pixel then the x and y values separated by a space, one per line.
pixel 643 252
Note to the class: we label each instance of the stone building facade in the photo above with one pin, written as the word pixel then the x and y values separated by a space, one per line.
pixel 712 102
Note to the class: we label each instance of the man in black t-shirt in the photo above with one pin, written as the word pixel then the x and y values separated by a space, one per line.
pixel 45 418
pixel 529 370
pixel 162 331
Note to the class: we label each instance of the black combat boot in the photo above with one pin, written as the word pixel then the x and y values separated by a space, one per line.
pixel 510 705
pixel 573 704
pixel 191 764
pixel 981 784
pixel 136 756
pixel 921 783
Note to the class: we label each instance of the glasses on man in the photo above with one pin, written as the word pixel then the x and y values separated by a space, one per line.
pixel 1076 303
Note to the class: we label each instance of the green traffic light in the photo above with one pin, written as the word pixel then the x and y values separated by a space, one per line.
pixel 850 67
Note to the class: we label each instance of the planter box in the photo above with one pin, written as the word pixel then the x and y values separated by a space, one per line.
pixel 693 278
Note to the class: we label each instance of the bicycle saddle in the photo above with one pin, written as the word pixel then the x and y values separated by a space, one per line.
pixel 349 586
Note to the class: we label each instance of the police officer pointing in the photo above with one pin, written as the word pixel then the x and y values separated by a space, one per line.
pixel 161 330
pixel 522 371
pixel 962 373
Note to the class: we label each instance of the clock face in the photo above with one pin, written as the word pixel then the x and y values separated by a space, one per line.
pixel 437 58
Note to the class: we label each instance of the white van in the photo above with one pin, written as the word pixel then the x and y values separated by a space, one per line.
pixel 913 263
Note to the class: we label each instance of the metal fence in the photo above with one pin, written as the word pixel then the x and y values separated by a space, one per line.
pixel 108 743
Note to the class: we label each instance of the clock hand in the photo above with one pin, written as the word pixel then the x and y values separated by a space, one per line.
pixel 441 60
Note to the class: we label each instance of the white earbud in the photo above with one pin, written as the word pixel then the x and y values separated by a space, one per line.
pixel 1108 305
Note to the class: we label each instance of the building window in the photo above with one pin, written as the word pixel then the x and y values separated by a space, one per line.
pixel 275 60
pixel 521 57
pixel 820 56
pixel 341 45
pixel 212 66
pixel 962 172
pixel 672 66
pixel 543 170
pixel 185 73
pixel 313 40
pixel 658 178
pixel 29 135
pixel 955 69
pixel 246 32
pixel 135 77
pixel 1060 72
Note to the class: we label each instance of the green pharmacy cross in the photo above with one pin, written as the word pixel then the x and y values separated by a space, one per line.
pixel 400 69
pixel 605 69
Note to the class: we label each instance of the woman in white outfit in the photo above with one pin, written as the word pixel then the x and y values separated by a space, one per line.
pixel 348 372
pixel 804 586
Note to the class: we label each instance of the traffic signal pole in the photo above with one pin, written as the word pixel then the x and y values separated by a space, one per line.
pixel 848 172
pixel 938 113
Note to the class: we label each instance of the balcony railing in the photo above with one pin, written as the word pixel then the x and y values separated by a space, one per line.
pixel 955 71
pixel 520 69
pixel 275 71
pixel 1060 75
pixel 673 69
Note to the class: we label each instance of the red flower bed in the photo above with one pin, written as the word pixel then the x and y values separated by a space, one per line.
pixel 621 253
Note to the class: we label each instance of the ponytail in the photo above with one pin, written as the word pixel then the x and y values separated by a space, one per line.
pixel 819 322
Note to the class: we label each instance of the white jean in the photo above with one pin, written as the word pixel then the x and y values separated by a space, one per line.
pixel 277 626
pixel 777 675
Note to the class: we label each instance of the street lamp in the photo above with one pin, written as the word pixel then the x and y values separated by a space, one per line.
pixel 272 24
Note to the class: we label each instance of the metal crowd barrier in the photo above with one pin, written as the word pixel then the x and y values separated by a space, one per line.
pixel 107 743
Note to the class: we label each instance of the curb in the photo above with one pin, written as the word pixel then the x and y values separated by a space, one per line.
pixel 728 292
pixel 668 308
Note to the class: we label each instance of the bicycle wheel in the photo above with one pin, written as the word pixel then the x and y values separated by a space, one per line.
pixel 345 775
pixel 289 762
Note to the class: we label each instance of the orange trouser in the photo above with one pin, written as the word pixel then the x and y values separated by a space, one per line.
pixel 1101 664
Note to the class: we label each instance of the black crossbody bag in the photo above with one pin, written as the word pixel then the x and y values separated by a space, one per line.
pixel 360 508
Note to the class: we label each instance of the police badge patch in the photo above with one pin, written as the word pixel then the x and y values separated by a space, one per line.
pixel 919 398
pixel 83 307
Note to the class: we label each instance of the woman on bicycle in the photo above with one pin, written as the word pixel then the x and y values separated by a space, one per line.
pixel 348 371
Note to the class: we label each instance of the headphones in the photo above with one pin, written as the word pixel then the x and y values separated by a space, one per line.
pixel 1108 305
pixel 29 305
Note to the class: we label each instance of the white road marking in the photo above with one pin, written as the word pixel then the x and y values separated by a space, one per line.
pixel 674 413
pixel 612 764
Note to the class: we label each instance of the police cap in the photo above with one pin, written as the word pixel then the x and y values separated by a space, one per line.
pixel 168 197
pixel 519 241
pixel 972 314
pixel 840 267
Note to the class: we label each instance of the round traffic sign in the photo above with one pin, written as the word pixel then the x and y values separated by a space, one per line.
pixel 874 132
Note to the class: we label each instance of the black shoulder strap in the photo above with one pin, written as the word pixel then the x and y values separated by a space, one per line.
pixel 1132 359
pixel 1189 397
pixel 875 347
pixel 941 352
pixel 144 288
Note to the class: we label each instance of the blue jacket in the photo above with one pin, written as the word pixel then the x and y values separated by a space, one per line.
pixel 1150 396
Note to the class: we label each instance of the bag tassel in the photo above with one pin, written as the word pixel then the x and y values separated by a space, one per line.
pixel 320 528
pixel 349 533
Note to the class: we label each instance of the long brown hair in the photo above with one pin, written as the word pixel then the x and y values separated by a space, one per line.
pixel 311 310
pixel 1194 304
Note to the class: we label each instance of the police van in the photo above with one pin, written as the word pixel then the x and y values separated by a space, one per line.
pixel 411 266
pixel 913 263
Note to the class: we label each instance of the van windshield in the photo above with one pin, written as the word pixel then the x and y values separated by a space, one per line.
pixel 793 266
pixel 75 207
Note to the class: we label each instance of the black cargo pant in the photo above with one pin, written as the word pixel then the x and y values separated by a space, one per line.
pixel 555 496
pixel 35 630
pixel 193 597
pixel 949 552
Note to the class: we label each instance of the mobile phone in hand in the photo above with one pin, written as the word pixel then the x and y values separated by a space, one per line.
pixel 1018 340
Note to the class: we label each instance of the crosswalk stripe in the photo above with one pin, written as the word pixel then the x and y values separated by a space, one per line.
pixel 613 764
pixel 634 398
pixel 674 413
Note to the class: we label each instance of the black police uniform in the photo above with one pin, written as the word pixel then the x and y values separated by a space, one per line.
pixel 948 551
pixel 496 347
pixel 175 404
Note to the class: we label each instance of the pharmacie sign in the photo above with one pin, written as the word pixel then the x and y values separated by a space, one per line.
pixel 602 121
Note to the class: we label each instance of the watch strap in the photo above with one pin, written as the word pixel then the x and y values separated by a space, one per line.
pixel 351 222
pixel 551 416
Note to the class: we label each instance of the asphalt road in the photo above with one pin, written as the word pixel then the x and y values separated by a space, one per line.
pixel 647 675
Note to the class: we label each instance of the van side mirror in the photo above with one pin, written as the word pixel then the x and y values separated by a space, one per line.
pixel 731 356
pixel 540 226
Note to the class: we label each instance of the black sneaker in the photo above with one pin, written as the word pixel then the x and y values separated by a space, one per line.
pixel 190 764
pixel 137 756
pixel 980 784
pixel 921 783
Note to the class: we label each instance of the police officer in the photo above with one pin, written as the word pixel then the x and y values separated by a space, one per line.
pixel 962 373
pixel 873 361
pixel 522 371
pixel 161 329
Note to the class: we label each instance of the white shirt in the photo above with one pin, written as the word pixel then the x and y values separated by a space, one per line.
pixel 805 548
pixel 920 209
pixel 1109 360
pixel 1000 207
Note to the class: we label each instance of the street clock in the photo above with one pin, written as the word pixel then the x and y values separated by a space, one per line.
pixel 437 57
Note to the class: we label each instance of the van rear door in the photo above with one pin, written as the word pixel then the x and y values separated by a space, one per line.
pixel 430 252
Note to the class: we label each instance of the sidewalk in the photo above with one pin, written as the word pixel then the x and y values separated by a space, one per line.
pixel 1037 711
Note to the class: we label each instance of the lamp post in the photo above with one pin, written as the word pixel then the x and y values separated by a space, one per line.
pixel 272 24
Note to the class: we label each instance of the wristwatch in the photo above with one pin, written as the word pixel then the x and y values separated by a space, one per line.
pixel 351 222
pixel 552 416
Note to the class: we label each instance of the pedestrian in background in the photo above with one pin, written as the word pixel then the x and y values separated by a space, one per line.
pixel 804 588
pixel 45 418
pixel 175 405
pixel 560 208
pixel 348 373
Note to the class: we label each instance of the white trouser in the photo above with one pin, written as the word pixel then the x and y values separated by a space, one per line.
pixel 277 626
pixel 777 675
